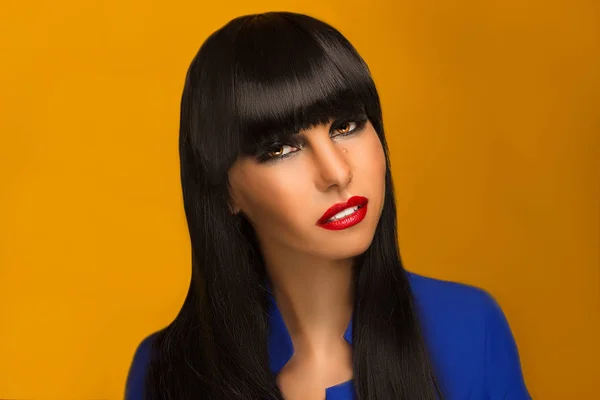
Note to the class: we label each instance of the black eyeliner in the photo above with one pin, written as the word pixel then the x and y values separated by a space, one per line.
pixel 296 141
pixel 360 124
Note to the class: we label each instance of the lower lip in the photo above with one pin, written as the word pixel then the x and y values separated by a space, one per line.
pixel 347 221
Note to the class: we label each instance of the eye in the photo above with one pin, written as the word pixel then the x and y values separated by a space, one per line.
pixel 279 150
pixel 346 127
pixel 276 151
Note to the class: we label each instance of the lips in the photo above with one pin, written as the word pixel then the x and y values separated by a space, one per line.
pixel 336 208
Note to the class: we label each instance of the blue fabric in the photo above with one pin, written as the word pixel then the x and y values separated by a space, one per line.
pixel 468 337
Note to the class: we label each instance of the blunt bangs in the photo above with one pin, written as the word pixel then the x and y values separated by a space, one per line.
pixel 261 79
pixel 287 78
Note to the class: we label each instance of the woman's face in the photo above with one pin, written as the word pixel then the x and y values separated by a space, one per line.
pixel 285 191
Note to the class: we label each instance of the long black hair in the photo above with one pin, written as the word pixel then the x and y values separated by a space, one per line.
pixel 257 78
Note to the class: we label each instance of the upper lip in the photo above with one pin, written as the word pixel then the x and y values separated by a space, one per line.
pixel 336 208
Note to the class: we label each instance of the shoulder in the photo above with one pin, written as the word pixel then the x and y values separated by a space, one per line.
pixel 134 387
pixel 469 337
pixel 440 299
pixel 453 315
pixel 437 292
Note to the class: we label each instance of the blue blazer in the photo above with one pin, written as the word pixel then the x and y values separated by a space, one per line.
pixel 468 337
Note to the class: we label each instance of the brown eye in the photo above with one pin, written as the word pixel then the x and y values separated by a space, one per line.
pixel 346 127
pixel 278 150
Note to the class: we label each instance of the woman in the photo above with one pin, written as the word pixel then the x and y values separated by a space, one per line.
pixel 297 287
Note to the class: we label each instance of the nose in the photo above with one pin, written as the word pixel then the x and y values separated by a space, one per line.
pixel 333 166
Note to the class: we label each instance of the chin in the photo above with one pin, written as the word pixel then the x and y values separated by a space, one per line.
pixel 348 249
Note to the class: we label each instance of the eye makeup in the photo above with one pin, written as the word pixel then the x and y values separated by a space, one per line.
pixel 275 151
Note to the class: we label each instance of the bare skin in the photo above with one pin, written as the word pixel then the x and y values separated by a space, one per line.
pixel 311 267
pixel 316 305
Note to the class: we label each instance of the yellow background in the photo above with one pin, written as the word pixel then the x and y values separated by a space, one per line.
pixel 492 114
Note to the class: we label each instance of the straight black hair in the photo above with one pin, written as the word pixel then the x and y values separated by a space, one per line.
pixel 259 78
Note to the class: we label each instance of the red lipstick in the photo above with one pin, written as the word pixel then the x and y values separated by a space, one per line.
pixel 348 220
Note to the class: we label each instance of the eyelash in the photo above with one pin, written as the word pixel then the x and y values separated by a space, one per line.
pixel 264 156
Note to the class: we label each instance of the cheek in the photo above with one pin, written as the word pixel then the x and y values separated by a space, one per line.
pixel 370 159
pixel 276 199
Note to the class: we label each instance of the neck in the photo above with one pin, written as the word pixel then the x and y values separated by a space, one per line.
pixel 315 297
